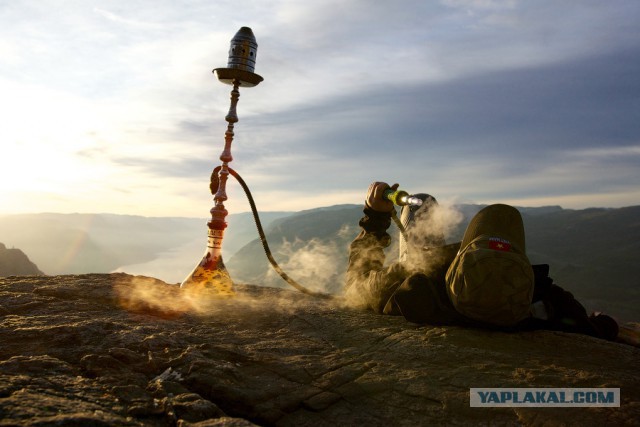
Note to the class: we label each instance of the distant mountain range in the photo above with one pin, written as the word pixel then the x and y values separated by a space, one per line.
pixel 592 252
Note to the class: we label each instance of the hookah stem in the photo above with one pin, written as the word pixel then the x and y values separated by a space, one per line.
pixel 263 237
pixel 232 118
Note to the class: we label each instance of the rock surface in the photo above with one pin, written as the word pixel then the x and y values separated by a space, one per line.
pixel 119 350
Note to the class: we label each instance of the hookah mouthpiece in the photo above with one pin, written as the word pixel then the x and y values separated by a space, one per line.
pixel 401 198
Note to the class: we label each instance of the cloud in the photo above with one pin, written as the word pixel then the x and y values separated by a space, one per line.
pixel 460 96
pixel 628 153
pixel 134 23
pixel 503 129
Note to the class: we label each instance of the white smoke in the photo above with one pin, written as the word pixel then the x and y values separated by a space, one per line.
pixel 430 229
pixel 316 265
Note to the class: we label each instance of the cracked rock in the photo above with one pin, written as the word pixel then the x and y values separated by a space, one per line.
pixel 119 350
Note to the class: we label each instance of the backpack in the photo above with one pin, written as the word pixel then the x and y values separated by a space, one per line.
pixel 491 279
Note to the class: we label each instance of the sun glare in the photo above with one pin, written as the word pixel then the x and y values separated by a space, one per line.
pixel 42 134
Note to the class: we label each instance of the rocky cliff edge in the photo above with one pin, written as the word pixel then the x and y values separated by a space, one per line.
pixel 118 350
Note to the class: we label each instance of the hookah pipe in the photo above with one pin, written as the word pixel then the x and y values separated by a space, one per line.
pixel 210 277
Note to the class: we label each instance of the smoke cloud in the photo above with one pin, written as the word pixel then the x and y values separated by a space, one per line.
pixel 317 266
pixel 430 229
pixel 149 296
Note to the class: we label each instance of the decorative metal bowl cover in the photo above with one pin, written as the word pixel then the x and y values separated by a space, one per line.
pixel 243 50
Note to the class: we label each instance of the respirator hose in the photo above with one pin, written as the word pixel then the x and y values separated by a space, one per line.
pixel 213 186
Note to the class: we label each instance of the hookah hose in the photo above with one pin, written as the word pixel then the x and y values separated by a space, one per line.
pixel 398 223
pixel 213 186
pixel 398 197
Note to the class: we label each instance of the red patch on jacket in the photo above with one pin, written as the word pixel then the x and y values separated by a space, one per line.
pixel 499 245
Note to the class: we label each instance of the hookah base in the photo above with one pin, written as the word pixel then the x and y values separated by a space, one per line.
pixel 209 280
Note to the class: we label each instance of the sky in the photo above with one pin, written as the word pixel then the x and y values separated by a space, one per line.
pixel 111 106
